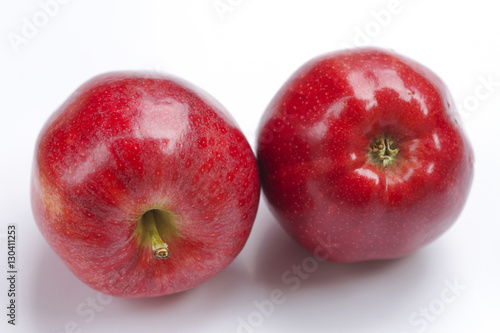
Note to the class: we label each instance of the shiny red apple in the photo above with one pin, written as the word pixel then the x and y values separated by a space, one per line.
pixel 362 156
pixel 143 185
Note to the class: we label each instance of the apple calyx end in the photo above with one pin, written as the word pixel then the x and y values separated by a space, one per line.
pixel 382 153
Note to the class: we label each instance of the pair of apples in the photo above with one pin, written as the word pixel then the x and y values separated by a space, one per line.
pixel 145 186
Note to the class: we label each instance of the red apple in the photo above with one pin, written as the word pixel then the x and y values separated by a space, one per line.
pixel 362 156
pixel 143 185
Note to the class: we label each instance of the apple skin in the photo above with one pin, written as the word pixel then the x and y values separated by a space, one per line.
pixel 321 176
pixel 128 142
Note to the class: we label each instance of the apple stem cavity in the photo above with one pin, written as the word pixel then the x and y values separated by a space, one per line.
pixel 382 153
pixel 154 224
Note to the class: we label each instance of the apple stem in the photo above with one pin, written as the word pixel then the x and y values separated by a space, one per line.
pixel 159 248
pixel 383 152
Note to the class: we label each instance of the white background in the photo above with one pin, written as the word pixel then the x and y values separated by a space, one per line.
pixel 242 56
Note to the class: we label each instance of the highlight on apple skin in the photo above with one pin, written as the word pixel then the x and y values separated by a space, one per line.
pixel 143 185
pixel 362 156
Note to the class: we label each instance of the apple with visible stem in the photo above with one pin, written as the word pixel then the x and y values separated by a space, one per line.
pixel 362 156
pixel 143 185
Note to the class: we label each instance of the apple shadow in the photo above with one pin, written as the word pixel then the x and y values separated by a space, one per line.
pixel 206 307
pixel 359 297
pixel 350 297
pixel 57 291
pixel 61 301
